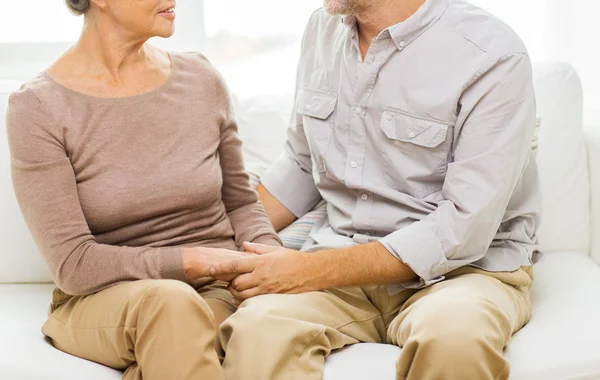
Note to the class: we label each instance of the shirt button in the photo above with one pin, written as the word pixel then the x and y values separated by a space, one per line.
pixel 354 164
pixel 308 106
pixel 411 135
pixel 367 234
pixel 402 44
pixel 390 116
pixel 364 197
pixel 358 110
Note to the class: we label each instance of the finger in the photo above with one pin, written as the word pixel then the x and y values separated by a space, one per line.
pixel 244 295
pixel 260 249
pixel 226 277
pixel 229 252
pixel 242 265
pixel 245 282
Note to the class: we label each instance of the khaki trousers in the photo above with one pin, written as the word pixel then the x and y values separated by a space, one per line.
pixel 151 329
pixel 453 330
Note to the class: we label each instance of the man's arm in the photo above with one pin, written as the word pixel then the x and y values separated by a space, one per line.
pixel 490 156
pixel 280 216
pixel 285 271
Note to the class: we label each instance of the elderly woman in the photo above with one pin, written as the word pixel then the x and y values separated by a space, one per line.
pixel 128 169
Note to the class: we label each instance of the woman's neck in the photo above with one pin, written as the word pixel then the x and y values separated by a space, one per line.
pixel 108 51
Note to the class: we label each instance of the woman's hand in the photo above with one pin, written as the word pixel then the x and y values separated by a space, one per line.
pixel 198 261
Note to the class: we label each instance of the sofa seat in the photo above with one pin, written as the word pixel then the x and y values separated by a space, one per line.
pixel 560 342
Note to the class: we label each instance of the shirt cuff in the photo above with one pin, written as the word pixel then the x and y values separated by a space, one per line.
pixel 291 186
pixel 172 263
pixel 419 248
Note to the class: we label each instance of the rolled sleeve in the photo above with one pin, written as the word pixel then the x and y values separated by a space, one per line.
pixel 291 185
pixel 419 248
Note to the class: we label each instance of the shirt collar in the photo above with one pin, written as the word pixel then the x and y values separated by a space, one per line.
pixel 409 30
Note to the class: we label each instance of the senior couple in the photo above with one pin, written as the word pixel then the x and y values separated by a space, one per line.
pixel 412 120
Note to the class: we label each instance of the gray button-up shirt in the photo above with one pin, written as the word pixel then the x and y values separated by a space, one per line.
pixel 424 145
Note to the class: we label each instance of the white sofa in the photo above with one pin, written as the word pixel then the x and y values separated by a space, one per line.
pixel 562 341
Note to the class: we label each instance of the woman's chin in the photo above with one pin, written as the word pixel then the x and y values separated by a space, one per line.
pixel 166 33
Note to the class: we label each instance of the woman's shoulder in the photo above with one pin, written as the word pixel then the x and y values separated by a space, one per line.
pixel 196 68
pixel 192 61
pixel 32 91
pixel 196 65
pixel 29 106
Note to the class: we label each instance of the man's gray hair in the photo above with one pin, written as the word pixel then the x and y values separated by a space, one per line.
pixel 78 7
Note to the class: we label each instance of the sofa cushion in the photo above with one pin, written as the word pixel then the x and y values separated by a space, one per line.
pixel 562 160
pixel 593 143
pixel 560 342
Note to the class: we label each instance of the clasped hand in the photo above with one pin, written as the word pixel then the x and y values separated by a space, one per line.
pixel 266 269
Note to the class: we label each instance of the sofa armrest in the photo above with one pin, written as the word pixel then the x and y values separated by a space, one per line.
pixel 593 143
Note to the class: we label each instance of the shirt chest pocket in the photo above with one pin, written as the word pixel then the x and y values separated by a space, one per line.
pixel 415 152
pixel 317 110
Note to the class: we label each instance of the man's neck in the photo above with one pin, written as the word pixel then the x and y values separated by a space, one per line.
pixel 385 13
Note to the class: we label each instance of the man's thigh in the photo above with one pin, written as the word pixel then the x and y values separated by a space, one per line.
pixel 469 300
pixel 348 311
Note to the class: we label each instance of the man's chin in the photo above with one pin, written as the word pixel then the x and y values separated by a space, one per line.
pixel 334 8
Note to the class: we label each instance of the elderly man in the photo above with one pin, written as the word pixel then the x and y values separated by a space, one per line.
pixel 413 121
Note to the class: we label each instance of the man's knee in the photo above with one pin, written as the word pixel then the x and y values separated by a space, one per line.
pixel 453 323
pixel 451 332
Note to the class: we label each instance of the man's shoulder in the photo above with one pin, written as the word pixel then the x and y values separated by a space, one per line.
pixel 481 29
pixel 322 24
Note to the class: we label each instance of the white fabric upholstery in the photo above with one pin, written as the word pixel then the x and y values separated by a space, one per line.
pixel 562 160
pixel 593 140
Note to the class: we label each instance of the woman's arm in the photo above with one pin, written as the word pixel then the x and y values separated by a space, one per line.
pixel 46 190
pixel 246 213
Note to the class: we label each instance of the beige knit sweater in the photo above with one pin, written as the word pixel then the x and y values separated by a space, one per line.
pixel 112 188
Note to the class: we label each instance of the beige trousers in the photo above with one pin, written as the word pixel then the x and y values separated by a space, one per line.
pixel 453 330
pixel 151 329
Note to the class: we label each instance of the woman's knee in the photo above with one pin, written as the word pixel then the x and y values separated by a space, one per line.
pixel 174 297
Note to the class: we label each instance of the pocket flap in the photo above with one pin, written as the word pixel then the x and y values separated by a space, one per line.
pixel 315 103
pixel 402 127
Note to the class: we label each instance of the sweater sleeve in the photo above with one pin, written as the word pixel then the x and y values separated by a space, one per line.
pixel 46 190
pixel 246 214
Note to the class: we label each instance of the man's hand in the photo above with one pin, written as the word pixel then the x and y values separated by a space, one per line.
pixel 198 261
pixel 274 270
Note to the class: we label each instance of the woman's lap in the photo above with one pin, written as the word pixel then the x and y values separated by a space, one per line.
pixel 111 326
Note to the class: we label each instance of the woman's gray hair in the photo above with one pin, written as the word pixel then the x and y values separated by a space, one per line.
pixel 78 7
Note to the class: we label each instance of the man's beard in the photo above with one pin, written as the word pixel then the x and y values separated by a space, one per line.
pixel 343 7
